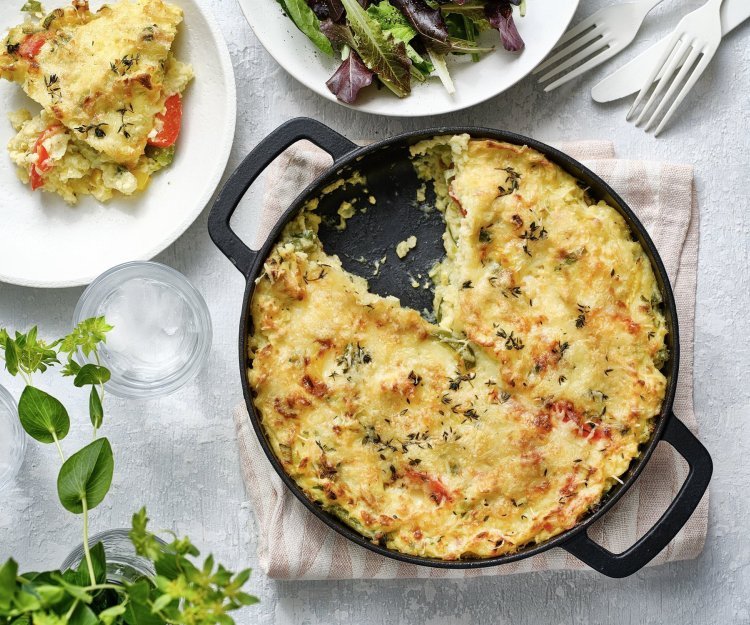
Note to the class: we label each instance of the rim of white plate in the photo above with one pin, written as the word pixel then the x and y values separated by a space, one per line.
pixel 223 151
pixel 271 45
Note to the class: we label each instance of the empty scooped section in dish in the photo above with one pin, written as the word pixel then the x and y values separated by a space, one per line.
pixel 387 207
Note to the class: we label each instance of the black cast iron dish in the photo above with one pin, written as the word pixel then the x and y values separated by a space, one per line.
pixel 370 236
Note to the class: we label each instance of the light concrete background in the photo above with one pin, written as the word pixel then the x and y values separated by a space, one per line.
pixel 178 456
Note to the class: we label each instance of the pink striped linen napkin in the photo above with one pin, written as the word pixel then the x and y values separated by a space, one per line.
pixel 293 544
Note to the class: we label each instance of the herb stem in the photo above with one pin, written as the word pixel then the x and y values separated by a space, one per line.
pixel 70 612
pixel 86 550
pixel 104 587
pixel 57 444
pixel 101 384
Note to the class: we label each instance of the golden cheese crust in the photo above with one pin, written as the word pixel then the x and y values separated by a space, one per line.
pixel 105 75
pixel 505 422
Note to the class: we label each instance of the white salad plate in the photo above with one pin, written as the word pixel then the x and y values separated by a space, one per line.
pixel 543 25
pixel 47 243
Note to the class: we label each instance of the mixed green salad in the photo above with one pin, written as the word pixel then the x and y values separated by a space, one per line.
pixel 398 41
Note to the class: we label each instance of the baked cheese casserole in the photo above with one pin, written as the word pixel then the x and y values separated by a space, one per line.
pixel 505 422
pixel 110 90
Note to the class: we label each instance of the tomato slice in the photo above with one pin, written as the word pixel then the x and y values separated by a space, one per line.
pixel 171 121
pixel 438 490
pixel 35 178
pixel 43 162
pixel 31 46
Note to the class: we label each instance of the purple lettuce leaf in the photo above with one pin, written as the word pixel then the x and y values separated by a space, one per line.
pixel 351 76
pixel 428 22
pixel 327 9
pixel 499 14
pixel 338 34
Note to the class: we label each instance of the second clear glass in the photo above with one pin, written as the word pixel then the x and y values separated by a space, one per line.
pixel 12 440
pixel 124 565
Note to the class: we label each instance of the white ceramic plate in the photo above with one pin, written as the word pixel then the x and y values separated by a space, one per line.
pixel 46 243
pixel 544 24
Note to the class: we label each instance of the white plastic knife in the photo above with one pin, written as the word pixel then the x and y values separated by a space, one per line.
pixel 629 78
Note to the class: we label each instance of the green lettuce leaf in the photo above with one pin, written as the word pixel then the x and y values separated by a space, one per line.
pixel 392 21
pixel 304 18
pixel 395 24
pixel 379 51
pixel 462 27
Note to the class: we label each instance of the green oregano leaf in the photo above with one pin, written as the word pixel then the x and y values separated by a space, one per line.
pixel 161 603
pixel 246 599
pixel 70 368
pixel 86 475
pixel 83 615
pixel 96 411
pixel 11 356
pixel 78 576
pixel 145 542
pixel 25 602
pixel 139 591
pixel 138 609
pixel 8 575
pixel 109 615
pixel 99 561
pixel 75 590
pixel 26 353
pixel 91 374
pixel 86 336
pixel 48 594
pixel 42 416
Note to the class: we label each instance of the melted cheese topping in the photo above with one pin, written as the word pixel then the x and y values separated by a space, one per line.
pixel 507 421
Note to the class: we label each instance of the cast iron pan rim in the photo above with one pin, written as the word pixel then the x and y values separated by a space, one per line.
pixel 600 188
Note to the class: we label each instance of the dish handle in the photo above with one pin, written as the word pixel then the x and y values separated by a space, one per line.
pixel 670 523
pixel 254 164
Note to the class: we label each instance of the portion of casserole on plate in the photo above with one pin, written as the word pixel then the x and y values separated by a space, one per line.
pixel 505 422
pixel 111 96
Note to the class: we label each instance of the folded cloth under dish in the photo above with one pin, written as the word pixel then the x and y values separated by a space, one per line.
pixel 294 544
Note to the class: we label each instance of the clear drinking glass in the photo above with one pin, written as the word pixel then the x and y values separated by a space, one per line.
pixel 162 328
pixel 12 440
pixel 123 564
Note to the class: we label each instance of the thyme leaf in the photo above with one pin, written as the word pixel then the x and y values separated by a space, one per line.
pixel 511 182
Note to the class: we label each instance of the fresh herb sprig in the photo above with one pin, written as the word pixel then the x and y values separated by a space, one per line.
pixel 182 593
pixel 85 477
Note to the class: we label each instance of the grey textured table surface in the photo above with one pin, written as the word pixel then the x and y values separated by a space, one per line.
pixel 178 455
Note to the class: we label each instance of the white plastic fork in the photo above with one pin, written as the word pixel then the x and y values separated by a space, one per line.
pixel 692 45
pixel 606 33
